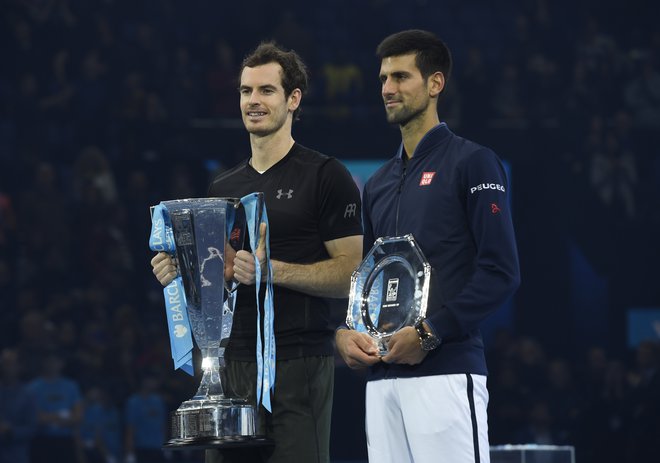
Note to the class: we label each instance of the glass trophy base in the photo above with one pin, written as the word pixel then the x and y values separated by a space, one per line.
pixel 213 423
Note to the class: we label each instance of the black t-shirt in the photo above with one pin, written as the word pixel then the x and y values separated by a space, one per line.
pixel 310 198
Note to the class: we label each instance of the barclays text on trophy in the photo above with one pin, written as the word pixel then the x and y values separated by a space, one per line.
pixel 389 289
pixel 201 233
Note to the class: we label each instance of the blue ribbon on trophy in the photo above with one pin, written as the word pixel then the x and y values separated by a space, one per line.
pixel 265 355
pixel 181 343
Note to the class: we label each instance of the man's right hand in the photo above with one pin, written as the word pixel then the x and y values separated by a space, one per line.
pixel 357 349
pixel 164 267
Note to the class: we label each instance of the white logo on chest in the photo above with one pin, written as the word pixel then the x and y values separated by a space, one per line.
pixel 288 194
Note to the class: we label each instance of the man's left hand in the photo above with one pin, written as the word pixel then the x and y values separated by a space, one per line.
pixel 244 268
pixel 404 347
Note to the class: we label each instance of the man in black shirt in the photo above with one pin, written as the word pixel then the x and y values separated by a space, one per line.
pixel 315 243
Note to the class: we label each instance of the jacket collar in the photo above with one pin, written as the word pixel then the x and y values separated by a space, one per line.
pixel 429 141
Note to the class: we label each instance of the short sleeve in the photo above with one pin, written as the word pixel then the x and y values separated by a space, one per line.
pixel 340 209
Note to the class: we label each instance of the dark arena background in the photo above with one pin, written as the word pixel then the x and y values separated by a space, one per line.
pixel 108 107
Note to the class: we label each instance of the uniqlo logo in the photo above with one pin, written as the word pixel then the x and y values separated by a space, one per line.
pixel 427 178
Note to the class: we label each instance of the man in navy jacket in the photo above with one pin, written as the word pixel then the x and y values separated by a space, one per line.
pixel 427 398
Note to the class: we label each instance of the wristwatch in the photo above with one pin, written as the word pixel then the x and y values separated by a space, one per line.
pixel 428 341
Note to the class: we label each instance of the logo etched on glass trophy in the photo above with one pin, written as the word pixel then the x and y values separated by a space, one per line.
pixel 389 289
pixel 205 231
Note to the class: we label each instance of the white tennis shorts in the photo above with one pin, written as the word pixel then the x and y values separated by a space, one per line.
pixel 428 419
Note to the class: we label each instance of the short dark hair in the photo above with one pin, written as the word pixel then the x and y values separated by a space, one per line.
pixel 432 54
pixel 294 71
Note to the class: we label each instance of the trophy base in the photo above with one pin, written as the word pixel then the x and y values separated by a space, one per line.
pixel 214 422
pixel 205 443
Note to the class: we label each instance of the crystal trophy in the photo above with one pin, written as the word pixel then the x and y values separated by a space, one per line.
pixel 389 289
pixel 205 230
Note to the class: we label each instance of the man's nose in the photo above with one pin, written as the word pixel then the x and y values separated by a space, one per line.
pixel 388 87
pixel 254 98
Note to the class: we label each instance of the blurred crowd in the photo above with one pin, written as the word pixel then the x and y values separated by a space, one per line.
pixel 108 107
pixel 606 405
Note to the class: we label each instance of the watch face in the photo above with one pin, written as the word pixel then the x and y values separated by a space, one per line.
pixel 430 342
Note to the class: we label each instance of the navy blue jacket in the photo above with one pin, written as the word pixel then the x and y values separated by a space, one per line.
pixel 452 195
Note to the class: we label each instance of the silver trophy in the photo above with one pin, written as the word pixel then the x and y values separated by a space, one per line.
pixel 389 289
pixel 205 230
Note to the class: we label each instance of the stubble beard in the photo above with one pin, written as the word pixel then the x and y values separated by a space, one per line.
pixel 265 130
pixel 404 115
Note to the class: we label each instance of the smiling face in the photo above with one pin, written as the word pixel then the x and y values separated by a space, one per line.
pixel 405 92
pixel 265 108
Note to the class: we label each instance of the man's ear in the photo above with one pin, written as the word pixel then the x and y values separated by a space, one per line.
pixel 294 99
pixel 436 83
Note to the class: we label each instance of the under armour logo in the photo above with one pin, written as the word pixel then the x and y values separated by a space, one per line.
pixel 280 193
pixel 350 210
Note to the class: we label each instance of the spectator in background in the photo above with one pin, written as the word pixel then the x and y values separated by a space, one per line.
pixel 94 357
pixel 509 399
pixel 59 89
pixel 293 33
pixel 8 254
pixel 643 443
pixel 562 398
pixel 7 225
pixel 92 99
pixel 531 363
pixel 613 176
pixel 137 194
pixel 101 221
pixel 642 94
pixel 44 228
pixel 593 420
pixel 545 85
pixel 343 84
pixel 221 80
pixel 17 413
pixel 508 97
pixel 101 428
pixel 538 428
pixel 475 78
pixel 36 337
pixel 59 411
pixel 8 299
pixel 93 176
pixel 183 93
pixel 146 422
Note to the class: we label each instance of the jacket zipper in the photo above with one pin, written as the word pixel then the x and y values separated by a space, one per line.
pixel 398 198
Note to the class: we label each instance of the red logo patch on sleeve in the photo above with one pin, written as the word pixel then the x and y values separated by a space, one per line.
pixel 427 178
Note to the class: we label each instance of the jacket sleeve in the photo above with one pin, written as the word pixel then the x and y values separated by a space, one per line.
pixel 486 202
